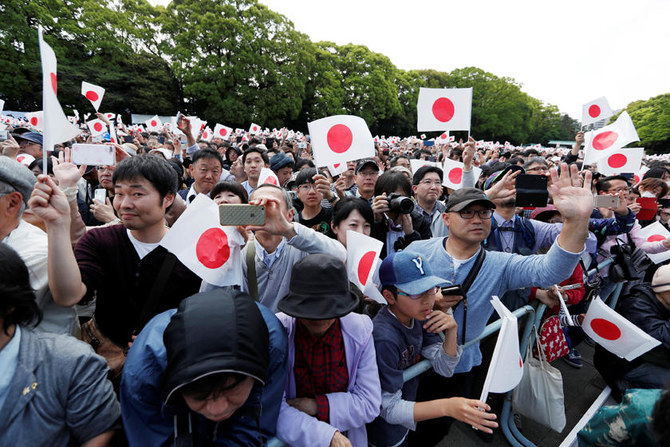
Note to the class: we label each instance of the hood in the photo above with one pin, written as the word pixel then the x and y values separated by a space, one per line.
pixel 215 332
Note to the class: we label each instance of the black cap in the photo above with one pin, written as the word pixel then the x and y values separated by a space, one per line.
pixel 461 198
pixel 366 162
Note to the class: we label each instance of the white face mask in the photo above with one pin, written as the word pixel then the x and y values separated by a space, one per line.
pixel 667 182
pixel 647 194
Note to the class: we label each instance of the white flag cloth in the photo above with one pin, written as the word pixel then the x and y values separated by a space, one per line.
pixel 653 233
pixel 2 105
pixel 221 131
pixel 596 110
pixel 254 128
pixel 453 173
pixel 97 127
pixel 444 109
pixel 362 257
pixel 614 333
pixel 506 368
pixel 337 169
pixel 268 176
pixel 109 115
pixel 627 160
pixel 415 164
pixel 36 119
pixel 208 249
pixel 340 138
pixel 93 93
pixel 603 142
pixel 207 135
pixel 57 128
pixel 154 124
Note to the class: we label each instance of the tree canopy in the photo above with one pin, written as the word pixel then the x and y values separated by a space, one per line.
pixel 236 62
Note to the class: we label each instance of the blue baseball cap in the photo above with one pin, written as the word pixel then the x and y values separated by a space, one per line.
pixel 33 137
pixel 409 272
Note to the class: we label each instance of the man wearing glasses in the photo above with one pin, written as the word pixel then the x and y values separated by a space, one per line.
pixel 468 216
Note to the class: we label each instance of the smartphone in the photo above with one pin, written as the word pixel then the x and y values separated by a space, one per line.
pixel 606 201
pixel 230 214
pixel 664 203
pixel 4 135
pixel 100 195
pixel 531 191
pixel 455 290
pixel 178 118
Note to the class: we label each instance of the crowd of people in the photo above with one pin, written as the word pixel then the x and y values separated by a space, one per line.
pixel 296 351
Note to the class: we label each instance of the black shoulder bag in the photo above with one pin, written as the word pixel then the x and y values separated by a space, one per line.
pixel 466 286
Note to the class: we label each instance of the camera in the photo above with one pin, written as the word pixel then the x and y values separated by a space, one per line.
pixel 400 204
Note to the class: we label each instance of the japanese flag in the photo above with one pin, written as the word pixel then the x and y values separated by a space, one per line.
pixel 506 368
pixel 362 257
pixel 207 135
pixel 36 119
pixel 603 142
pixel 221 131
pixel 621 161
pixel 653 233
pixel 596 110
pixel 239 131
pixel 97 127
pixel 337 169
pixel 340 138
pixel 444 109
pixel 208 249
pixel 453 173
pixel 110 116
pixel 25 159
pixel 56 127
pixel 254 128
pixel 637 178
pixel 423 136
pixel 268 176
pixel 154 124
pixel 614 333
pixel 93 93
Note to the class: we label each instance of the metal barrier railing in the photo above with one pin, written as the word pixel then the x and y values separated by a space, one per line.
pixel 509 428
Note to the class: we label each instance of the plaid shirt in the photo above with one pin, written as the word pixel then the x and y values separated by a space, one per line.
pixel 320 366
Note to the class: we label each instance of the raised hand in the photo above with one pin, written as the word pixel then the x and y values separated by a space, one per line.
pixel 66 172
pixel 503 188
pixel 49 203
pixel 571 198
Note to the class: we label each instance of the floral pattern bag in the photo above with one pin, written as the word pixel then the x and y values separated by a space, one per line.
pixel 552 339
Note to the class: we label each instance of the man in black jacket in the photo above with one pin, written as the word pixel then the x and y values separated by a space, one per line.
pixel 648 307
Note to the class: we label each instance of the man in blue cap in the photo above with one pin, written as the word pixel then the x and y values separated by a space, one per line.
pixel 30 143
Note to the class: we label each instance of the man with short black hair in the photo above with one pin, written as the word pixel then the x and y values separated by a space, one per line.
pixel 119 263
pixel 427 188
pixel 206 169
pixel 254 159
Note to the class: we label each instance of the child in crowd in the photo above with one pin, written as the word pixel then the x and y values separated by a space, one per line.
pixel 404 331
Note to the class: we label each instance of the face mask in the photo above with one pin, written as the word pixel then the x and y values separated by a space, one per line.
pixel 647 194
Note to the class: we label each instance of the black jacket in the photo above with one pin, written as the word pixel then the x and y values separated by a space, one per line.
pixel 421 231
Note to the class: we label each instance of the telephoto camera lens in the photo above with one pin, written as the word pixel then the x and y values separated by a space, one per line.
pixel 400 204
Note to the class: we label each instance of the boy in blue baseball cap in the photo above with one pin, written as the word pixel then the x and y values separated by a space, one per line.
pixel 406 330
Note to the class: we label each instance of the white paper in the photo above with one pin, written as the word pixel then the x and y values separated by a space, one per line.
pixel 93 154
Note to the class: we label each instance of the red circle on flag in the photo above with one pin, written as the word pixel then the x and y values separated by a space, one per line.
pixel 20 158
pixel 339 138
pixel 617 160
pixel 655 238
pixel 255 129
pixel 520 362
pixel 444 136
pixel 336 165
pixel 54 82
pixel 204 135
pixel 443 109
pixel 605 329
pixel 271 180
pixel 604 140
pixel 154 123
pixel 91 95
pixel 455 175
pixel 365 265
pixel 594 111
pixel 637 179
pixel 212 248
pixel 97 127
pixel 223 132
pixel 33 121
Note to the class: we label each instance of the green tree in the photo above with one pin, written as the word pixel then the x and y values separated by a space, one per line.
pixel 652 122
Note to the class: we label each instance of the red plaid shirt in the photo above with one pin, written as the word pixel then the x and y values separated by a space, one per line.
pixel 320 366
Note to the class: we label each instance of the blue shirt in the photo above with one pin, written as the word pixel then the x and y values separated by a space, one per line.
pixel 499 273
pixel 9 358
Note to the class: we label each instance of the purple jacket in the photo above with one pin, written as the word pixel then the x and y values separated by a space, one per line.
pixel 350 411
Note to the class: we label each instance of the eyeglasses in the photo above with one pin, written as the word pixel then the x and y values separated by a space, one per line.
pixel 469 214
pixel 431 182
pixel 429 292
pixel 307 186
pixel 104 168
pixel 538 168
pixel 620 189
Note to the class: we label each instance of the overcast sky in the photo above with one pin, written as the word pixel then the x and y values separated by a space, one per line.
pixel 562 52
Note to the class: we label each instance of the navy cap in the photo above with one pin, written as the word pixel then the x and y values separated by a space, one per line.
pixel 33 137
pixel 409 272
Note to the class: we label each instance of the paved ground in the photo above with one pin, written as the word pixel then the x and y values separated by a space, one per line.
pixel 580 389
